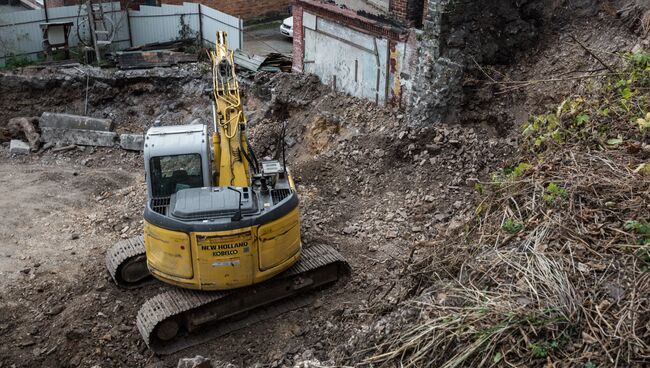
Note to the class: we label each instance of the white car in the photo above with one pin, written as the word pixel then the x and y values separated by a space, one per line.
pixel 287 27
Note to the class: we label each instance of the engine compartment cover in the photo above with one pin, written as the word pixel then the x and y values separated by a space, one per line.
pixel 212 202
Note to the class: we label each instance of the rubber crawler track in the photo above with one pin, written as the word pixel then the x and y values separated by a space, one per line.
pixel 117 256
pixel 178 301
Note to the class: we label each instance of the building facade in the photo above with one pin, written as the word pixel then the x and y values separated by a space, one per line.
pixel 366 55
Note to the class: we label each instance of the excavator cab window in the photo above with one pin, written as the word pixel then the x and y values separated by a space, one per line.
pixel 169 174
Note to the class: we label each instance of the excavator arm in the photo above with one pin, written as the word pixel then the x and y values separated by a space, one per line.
pixel 232 155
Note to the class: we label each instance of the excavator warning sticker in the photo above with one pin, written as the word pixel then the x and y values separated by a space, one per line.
pixel 226 264
pixel 218 248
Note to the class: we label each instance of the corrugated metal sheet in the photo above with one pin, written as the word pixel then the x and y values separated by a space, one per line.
pixel 164 23
pixel 20 33
pixel 252 63
pixel 170 22
pixel 214 21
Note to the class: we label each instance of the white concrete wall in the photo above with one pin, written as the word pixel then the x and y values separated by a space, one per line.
pixel 354 61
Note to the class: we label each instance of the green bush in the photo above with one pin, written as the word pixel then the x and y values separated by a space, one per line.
pixel 14 61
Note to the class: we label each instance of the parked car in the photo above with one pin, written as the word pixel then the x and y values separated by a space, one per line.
pixel 287 27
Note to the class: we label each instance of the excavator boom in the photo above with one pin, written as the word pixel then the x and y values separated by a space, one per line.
pixel 231 163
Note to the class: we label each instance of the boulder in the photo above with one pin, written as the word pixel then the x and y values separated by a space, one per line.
pixel 18 147
pixel 196 362
pixel 132 142
pixel 23 129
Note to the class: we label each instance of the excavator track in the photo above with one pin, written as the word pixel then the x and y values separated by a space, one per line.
pixel 127 264
pixel 180 318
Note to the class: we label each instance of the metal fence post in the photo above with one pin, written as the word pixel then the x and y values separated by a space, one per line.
pixel 128 25
pixel 241 34
pixel 200 25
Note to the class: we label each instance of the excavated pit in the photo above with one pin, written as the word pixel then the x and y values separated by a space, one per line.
pixel 342 151
pixel 373 185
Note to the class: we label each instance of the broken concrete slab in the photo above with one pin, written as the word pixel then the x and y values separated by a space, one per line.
pixel 68 121
pixel 18 147
pixel 132 142
pixel 81 137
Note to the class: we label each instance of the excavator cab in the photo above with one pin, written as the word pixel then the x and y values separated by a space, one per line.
pixel 176 158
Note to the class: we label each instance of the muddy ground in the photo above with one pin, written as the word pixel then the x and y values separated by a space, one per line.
pixel 376 189
pixel 368 186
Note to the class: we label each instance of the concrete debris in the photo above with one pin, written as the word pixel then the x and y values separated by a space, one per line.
pixel 67 121
pixel 18 147
pixel 62 149
pixel 80 137
pixel 21 128
pixel 132 142
pixel 72 130
pixel 196 362
pixel 312 363
pixel 67 129
pixel 47 146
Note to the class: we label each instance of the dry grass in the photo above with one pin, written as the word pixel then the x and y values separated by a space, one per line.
pixel 463 325
pixel 569 288
pixel 548 274
pixel 645 22
pixel 636 14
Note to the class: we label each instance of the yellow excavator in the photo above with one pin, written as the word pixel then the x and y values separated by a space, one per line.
pixel 221 226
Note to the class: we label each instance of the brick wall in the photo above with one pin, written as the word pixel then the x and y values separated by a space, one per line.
pixel 246 9
pixel 352 19
pixel 298 40
pixel 410 12
pixel 56 3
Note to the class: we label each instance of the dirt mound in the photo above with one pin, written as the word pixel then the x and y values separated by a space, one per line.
pixel 132 99
pixel 552 269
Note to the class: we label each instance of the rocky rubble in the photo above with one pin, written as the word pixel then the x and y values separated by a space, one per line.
pixel 373 187
pixel 20 128
pixel 135 98
pixel 410 181
pixel 196 362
